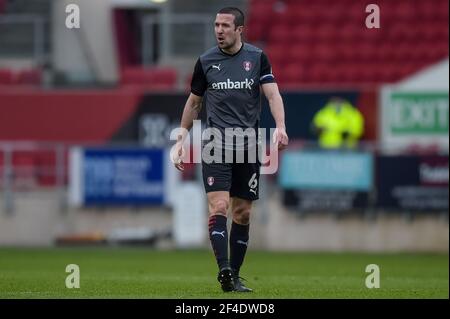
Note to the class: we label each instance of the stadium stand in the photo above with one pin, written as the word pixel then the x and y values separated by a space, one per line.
pixel 155 78
pixel 308 42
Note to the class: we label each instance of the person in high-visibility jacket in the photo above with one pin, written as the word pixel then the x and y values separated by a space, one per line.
pixel 338 124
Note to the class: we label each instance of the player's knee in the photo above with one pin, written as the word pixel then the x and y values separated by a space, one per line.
pixel 242 216
pixel 219 207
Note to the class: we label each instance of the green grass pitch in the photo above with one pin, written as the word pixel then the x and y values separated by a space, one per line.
pixel 148 273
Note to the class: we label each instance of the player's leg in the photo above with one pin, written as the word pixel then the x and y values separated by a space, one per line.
pixel 217 182
pixel 218 203
pixel 244 190
pixel 239 237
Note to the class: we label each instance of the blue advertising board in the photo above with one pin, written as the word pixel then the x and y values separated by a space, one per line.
pixel 322 180
pixel 123 176
pixel 330 170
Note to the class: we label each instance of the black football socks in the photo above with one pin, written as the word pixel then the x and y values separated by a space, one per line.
pixel 238 245
pixel 218 236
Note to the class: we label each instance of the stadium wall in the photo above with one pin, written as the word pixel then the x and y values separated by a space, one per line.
pixel 64 116
pixel 38 221
pixel 75 115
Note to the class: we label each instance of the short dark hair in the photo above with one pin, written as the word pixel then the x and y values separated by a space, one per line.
pixel 238 15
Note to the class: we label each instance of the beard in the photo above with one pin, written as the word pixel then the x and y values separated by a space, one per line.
pixel 227 45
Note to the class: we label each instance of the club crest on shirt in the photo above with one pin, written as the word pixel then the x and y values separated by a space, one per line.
pixel 247 65
pixel 210 180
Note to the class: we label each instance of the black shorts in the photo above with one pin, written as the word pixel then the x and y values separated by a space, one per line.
pixel 239 179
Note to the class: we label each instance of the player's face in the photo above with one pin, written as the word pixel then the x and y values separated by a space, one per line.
pixel 226 32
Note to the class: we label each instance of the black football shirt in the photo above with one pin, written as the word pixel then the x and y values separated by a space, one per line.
pixel 230 85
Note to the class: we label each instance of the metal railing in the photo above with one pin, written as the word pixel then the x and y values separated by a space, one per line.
pixel 19 176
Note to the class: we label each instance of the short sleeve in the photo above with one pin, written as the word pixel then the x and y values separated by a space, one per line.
pixel 266 75
pixel 198 83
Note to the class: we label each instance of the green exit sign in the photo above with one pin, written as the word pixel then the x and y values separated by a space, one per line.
pixel 419 113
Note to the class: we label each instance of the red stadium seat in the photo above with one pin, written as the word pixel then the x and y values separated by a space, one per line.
pixel 387 74
pixel 382 53
pixel 24 169
pixel 356 12
pixel 301 53
pixel 402 32
pixel 348 73
pixel 334 14
pixel 318 73
pixel 303 34
pixel 365 52
pixel 442 7
pixel 441 32
pixel 427 32
pixel 330 39
pixel 346 52
pixel 150 78
pixel 324 53
pixel 255 31
pixel 292 17
pixel 261 11
pixel 280 34
pixel 276 54
pixel 440 50
pixel 326 32
pixel 278 71
pixel 405 10
pixel 402 52
pixel 349 32
pixel 292 76
pixel 46 162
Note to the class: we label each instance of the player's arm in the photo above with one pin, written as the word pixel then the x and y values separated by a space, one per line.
pixel 191 110
pixel 270 90
pixel 272 94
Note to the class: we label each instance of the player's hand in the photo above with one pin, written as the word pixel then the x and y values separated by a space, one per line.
pixel 280 137
pixel 177 156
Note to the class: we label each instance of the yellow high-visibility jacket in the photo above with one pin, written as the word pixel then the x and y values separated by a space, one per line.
pixel 333 124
